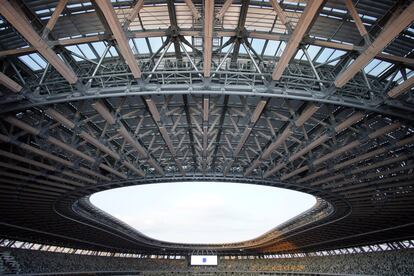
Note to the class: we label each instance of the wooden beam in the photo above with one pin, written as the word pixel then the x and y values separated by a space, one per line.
pixel 147 34
pixel 386 36
pixel 306 114
pixel 405 61
pixel 377 133
pixel 302 26
pixel 133 14
pixel 95 142
pixel 9 83
pixel 61 144
pixel 281 14
pixel 263 35
pixel 35 163
pixel 110 119
pixel 333 45
pixel 140 149
pixel 355 16
pixel 283 136
pixel 409 62
pixel 22 25
pixel 393 13
pixel 206 110
pixel 54 18
pixel 193 9
pixel 119 35
pixel 224 9
pixel 17 52
pixel 37 173
pixel 246 133
pixel 208 35
pixel 402 88
pixel 152 108
pixel 244 8
pixel 345 124
pixel 355 160
pixel 55 158
pixel 360 169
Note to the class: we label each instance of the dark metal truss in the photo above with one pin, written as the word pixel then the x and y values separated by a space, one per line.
pixel 358 161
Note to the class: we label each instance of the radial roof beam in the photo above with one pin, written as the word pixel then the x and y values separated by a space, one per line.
pixel 220 129
pixel 172 14
pixel 61 144
pixel 344 184
pixel 405 61
pixel 371 154
pixel 320 140
pixel 345 148
pixel 193 9
pixel 358 22
pixel 119 35
pixel 22 25
pixel 9 83
pixel 33 131
pixel 244 8
pixel 133 13
pixel 140 149
pixel 38 173
pixel 285 134
pixel 360 169
pixel 390 32
pixel 189 127
pixel 206 110
pixel 246 133
pixel 164 133
pixel 306 114
pixel 56 185
pixel 54 18
pixel 224 9
pixel 110 119
pixel 45 166
pixel 301 28
pixel 97 144
pixel 47 155
pixel 402 88
pixel 353 119
pixel 282 15
pixel 208 35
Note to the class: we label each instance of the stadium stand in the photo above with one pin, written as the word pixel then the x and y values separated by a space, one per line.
pixel 377 263
pixel 8 264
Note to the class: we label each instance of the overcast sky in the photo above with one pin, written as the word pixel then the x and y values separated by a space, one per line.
pixel 202 212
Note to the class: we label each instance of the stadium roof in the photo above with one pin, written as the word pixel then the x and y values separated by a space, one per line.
pixel 308 95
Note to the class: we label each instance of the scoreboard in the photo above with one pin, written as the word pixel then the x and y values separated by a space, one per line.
pixel 203 260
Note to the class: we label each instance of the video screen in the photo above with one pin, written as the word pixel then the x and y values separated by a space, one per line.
pixel 203 260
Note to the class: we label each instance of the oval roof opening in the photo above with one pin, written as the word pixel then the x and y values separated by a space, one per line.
pixel 203 212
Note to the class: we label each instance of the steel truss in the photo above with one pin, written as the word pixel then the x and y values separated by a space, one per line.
pixel 333 152
pixel 251 73
pixel 245 77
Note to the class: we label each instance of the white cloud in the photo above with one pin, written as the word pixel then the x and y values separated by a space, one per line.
pixel 202 212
